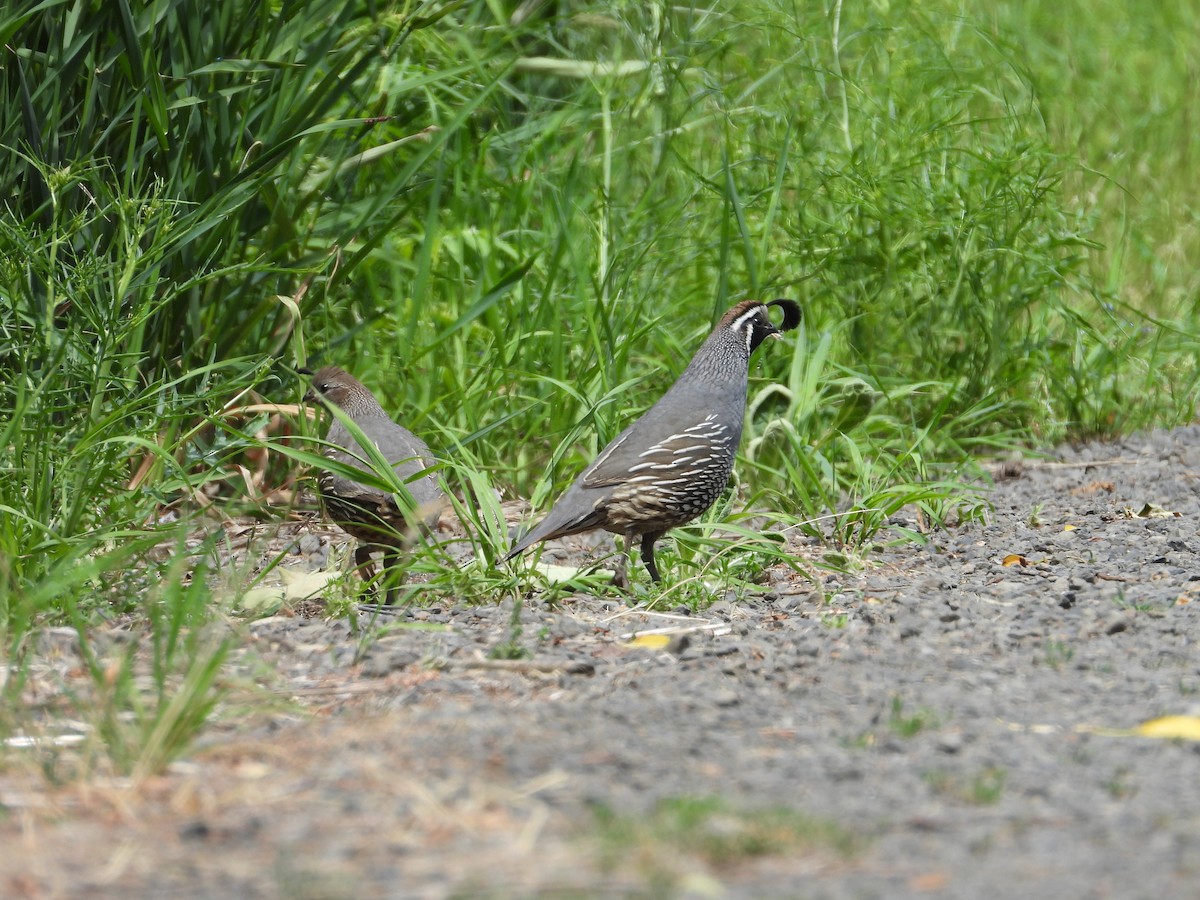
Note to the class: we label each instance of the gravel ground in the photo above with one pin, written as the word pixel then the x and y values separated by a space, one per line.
pixel 937 724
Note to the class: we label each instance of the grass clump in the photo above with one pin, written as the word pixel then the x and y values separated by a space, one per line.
pixel 137 685
pixel 907 725
pixel 683 834
pixel 983 788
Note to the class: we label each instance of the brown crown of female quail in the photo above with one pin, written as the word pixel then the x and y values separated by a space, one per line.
pixel 366 512
pixel 670 465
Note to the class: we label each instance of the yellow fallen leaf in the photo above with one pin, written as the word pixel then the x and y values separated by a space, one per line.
pixel 1014 559
pixel 296 586
pixel 560 574
pixel 651 641
pixel 1068 527
pixel 263 598
pixel 1167 728
pixel 299 585
pixel 1183 727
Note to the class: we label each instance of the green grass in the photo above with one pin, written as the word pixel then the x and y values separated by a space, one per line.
pixel 908 725
pixel 518 233
pixel 682 834
pixel 1058 654
pixel 983 788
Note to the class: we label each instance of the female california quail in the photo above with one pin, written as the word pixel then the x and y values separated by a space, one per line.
pixel 670 465
pixel 366 512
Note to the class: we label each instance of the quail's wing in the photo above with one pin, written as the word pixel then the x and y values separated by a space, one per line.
pixel 355 491
pixel 408 453
pixel 645 453
pixel 430 500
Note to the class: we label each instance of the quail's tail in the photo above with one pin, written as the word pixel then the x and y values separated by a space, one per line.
pixel 565 518
pixel 522 545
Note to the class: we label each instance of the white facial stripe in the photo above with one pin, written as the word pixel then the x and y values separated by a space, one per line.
pixel 746 317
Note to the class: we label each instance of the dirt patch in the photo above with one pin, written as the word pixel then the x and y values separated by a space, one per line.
pixel 946 721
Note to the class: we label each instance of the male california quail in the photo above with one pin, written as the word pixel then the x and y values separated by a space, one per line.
pixel 670 465
pixel 366 512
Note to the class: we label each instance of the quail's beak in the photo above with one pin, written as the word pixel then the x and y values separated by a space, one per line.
pixel 310 395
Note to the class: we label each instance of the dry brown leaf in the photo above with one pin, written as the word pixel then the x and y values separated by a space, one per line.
pixel 1093 487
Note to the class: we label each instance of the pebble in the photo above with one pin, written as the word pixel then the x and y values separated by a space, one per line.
pixel 377 664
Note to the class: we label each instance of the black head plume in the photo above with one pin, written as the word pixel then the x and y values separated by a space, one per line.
pixel 791 313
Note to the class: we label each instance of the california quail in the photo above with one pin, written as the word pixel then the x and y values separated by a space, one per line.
pixel 670 465
pixel 366 512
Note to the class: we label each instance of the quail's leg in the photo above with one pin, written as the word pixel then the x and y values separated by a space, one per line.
pixel 648 554
pixel 362 561
pixel 621 577
pixel 391 559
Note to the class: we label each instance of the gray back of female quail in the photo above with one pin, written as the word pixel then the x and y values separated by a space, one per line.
pixel 412 455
